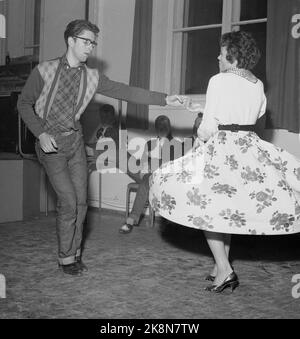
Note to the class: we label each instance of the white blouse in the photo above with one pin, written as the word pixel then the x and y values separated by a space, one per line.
pixel 231 99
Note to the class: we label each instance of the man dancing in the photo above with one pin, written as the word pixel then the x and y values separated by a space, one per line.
pixel 55 95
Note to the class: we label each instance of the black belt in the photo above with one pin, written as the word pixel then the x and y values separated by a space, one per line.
pixel 236 128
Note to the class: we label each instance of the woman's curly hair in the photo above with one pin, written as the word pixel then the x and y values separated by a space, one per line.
pixel 241 46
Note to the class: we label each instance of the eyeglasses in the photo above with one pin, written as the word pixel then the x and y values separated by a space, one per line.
pixel 87 42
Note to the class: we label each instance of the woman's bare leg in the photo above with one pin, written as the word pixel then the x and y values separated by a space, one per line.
pixel 227 242
pixel 216 242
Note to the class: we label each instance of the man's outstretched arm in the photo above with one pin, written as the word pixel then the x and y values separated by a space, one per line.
pixel 136 95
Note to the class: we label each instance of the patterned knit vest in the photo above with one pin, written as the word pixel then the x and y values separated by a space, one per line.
pixel 49 71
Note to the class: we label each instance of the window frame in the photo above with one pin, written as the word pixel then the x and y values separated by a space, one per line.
pixel 230 21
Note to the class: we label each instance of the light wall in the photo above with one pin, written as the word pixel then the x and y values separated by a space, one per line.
pixel 56 14
pixel 115 20
pixel 113 55
pixel 284 139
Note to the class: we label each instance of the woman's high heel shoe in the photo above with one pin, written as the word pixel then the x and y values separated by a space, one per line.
pixel 126 229
pixel 232 281
pixel 212 278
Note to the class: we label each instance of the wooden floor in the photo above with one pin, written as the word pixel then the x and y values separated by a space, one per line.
pixel 152 273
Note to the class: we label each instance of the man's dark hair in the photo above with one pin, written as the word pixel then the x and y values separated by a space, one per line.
pixel 76 27
pixel 241 46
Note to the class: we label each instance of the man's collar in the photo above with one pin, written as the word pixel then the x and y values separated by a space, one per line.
pixel 66 64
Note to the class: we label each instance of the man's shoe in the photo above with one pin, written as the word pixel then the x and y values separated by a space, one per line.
pixel 81 266
pixel 71 269
pixel 126 229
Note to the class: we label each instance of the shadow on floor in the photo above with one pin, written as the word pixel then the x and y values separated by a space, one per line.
pixel 244 247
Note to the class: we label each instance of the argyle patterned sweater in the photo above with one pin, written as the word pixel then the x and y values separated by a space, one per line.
pixel 38 94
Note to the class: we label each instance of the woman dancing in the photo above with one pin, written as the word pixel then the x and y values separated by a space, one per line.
pixel 232 182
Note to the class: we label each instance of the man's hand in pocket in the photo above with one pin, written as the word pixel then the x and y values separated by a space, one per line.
pixel 47 143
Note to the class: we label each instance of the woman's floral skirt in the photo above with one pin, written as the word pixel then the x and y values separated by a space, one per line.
pixel 235 183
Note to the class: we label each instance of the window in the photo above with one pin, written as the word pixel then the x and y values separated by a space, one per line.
pixel 197 28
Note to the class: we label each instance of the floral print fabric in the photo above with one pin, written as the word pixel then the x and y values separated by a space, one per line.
pixel 235 183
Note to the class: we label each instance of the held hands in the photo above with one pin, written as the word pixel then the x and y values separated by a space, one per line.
pixel 184 101
pixel 177 100
pixel 47 143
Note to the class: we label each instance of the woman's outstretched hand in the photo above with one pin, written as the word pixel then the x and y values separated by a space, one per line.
pixel 193 107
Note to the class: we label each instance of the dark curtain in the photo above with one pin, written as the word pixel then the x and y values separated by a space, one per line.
pixel 137 115
pixel 283 68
